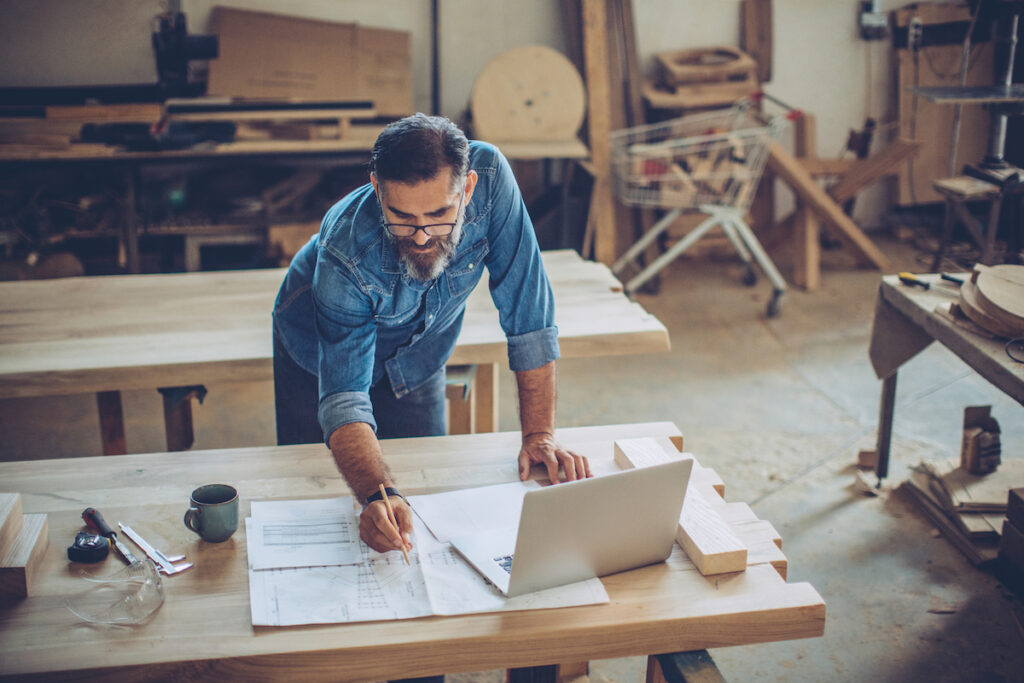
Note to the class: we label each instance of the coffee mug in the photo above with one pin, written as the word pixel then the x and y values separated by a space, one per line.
pixel 213 512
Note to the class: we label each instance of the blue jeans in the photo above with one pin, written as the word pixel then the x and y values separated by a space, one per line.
pixel 297 397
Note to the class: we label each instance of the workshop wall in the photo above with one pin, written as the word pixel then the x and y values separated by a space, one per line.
pixel 820 62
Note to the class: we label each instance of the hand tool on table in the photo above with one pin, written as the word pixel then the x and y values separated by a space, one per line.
pixel 95 520
pixel 88 548
pixel 914 281
pixel 164 562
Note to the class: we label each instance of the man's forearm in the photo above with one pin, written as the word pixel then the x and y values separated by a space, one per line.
pixel 537 400
pixel 357 453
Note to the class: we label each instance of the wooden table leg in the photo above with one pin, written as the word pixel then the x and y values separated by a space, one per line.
pixel 178 415
pixel 885 415
pixel 486 397
pixel 111 422
pixel 683 667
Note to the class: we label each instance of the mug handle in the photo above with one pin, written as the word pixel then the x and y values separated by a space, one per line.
pixel 192 518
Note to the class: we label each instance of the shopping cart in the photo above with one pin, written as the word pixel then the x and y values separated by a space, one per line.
pixel 710 162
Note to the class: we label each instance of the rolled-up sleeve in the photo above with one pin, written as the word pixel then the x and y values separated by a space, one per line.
pixel 348 335
pixel 518 283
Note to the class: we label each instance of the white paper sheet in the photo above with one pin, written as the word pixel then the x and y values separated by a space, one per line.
pixel 383 587
pixel 472 511
pixel 303 533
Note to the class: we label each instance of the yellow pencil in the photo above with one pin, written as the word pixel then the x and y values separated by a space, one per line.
pixel 394 520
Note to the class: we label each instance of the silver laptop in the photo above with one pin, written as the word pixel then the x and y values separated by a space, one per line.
pixel 582 529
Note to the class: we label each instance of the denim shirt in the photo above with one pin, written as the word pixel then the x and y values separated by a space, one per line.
pixel 348 312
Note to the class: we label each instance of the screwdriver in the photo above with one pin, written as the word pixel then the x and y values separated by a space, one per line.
pixel 911 279
pixel 95 520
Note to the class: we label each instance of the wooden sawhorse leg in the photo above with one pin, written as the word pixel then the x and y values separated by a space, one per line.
pixel 486 397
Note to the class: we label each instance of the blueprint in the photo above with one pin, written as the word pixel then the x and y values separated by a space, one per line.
pixel 380 586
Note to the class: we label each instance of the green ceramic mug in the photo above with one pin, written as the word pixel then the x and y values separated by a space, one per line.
pixel 213 512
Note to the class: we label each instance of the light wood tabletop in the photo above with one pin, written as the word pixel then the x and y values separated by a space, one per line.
pixel 115 333
pixel 203 631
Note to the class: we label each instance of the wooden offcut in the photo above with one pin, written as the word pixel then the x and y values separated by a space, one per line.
pixel 10 518
pixel 19 561
pixel 707 539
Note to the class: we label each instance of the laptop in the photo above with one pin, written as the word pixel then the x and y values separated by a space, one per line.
pixel 583 529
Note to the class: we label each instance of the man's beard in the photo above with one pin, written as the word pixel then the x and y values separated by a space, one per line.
pixel 425 266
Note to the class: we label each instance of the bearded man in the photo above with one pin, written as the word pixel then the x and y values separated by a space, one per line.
pixel 371 307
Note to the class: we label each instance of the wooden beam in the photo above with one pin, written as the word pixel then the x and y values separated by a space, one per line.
pixel 707 539
pixel 866 171
pixel 756 39
pixel 595 58
pixel 807 258
pixel 792 172
pixel 827 167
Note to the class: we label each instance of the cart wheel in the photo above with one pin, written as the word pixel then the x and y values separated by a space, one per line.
pixel 749 276
pixel 775 305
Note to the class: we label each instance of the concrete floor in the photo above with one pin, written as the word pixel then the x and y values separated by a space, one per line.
pixel 779 408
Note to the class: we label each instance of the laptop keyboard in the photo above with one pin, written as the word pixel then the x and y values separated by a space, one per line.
pixel 505 562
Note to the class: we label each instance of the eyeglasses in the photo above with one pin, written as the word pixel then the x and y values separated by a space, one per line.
pixel 408 230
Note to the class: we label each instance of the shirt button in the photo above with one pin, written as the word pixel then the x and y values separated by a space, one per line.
pixel 471 266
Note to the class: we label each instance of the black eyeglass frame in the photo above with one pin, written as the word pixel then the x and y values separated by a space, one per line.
pixel 428 230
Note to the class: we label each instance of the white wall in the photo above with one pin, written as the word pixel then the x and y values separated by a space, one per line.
pixel 820 64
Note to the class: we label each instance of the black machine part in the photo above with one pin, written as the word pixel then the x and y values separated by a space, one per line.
pixel 88 547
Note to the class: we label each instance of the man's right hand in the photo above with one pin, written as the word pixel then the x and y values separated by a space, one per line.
pixel 377 531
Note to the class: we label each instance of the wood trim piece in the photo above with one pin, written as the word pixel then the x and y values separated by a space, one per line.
pixel 703 534
pixel 595 58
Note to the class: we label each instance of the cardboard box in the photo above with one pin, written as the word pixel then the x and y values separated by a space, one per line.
pixel 273 56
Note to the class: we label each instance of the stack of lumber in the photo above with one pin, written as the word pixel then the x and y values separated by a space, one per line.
pixel 718 537
pixel 993 299
pixel 23 542
pixel 967 508
pixel 278 119
pixel 59 127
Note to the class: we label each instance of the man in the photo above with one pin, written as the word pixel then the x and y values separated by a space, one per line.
pixel 371 307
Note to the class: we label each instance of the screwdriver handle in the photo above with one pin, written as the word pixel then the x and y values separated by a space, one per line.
pixel 95 520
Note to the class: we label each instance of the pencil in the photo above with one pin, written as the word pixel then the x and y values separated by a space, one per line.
pixel 394 520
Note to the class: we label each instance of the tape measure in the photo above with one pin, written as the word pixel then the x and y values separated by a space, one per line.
pixel 88 548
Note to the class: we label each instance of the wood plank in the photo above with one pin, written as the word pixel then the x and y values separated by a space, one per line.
pixel 20 563
pixel 866 171
pixel 599 127
pixel 819 166
pixel 790 170
pixel 756 35
pixel 807 255
pixel 703 534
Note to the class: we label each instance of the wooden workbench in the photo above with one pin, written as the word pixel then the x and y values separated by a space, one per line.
pixel 907 320
pixel 203 630
pixel 115 333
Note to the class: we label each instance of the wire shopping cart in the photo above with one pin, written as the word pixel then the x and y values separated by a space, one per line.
pixel 710 162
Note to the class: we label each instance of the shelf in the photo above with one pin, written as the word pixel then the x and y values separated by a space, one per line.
pixel 972 94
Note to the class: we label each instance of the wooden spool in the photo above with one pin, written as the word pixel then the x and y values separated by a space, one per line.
pixel 531 93
pixel 1000 294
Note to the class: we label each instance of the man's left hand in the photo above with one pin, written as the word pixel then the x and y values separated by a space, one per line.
pixel 543 449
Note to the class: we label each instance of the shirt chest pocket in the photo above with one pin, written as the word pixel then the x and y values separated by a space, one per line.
pixel 465 271
pixel 397 310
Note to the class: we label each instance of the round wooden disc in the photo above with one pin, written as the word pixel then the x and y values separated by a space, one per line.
pixel 1001 293
pixel 970 305
pixel 530 93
